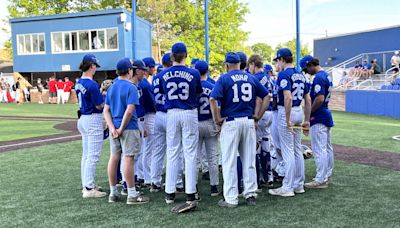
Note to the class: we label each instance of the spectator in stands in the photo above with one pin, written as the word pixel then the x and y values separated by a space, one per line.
pixel 52 90
pixel 60 90
pixel 356 71
pixel 67 89
pixel 375 66
pixel 395 61
pixel 344 80
pixel 40 88
pixel 366 70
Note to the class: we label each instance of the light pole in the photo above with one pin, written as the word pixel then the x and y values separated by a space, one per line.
pixel 206 30
pixel 133 29
pixel 297 34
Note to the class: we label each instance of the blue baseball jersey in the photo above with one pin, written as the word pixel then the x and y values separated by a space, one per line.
pixel 204 101
pixel 274 96
pixel 140 111
pixel 181 86
pixel 121 94
pixel 212 81
pixel 159 98
pixel 89 96
pixel 146 99
pixel 295 82
pixel 267 82
pixel 322 85
pixel 237 91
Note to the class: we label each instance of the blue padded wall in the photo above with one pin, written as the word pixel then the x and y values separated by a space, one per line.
pixel 373 102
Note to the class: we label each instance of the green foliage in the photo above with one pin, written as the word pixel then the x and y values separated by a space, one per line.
pixel 291 44
pixel 264 50
pixel 22 129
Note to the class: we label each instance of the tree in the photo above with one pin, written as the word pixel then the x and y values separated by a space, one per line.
pixel 291 44
pixel 25 8
pixel 264 50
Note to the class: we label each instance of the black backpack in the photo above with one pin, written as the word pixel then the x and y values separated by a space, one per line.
pixel 14 87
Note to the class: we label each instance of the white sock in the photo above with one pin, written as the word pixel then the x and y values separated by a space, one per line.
pixel 113 189
pixel 132 192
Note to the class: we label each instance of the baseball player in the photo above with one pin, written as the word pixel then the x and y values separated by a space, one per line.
pixel 90 125
pixel 160 134
pixel 238 91
pixel 292 90
pixel 119 112
pixel 321 122
pixel 207 128
pixel 256 68
pixel 147 102
pixel 181 86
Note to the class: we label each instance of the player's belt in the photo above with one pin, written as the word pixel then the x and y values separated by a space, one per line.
pixel 233 118
pixel 141 119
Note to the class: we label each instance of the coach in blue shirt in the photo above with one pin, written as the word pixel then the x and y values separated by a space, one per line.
pixel 90 125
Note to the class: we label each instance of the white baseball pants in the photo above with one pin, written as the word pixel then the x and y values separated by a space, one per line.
pixel 208 137
pixel 91 129
pixel 238 136
pixel 291 149
pixel 183 133
pixel 322 151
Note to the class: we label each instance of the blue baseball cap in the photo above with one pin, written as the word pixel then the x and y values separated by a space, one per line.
pixel 166 58
pixel 124 64
pixel 232 57
pixel 149 61
pixel 268 68
pixel 283 52
pixel 139 64
pixel 194 61
pixel 305 60
pixel 201 66
pixel 90 58
pixel 242 56
pixel 160 68
pixel 179 48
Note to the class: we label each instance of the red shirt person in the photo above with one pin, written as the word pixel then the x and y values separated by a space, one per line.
pixel 67 89
pixel 52 90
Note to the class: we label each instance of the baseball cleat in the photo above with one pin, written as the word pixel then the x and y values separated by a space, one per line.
pixel 280 192
pixel 137 200
pixel 299 190
pixel 223 203
pixel 124 192
pixel 251 201
pixel 259 190
pixel 93 193
pixel 170 198
pixel 214 190
pixel 180 190
pixel 112 198
pixel 206 176
pixel 155 188
pixel 314 184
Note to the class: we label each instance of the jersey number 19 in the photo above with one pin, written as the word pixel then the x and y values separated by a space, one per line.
pixel 245 90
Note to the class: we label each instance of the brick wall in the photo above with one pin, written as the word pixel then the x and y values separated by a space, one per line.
pixel 338 101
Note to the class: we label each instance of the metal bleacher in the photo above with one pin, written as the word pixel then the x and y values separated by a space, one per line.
pixel 385 81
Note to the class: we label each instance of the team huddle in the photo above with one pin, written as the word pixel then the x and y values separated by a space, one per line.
pixel 183 117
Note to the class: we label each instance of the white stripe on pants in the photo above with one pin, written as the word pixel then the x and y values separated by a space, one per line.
pixel 183 133
pixel 148 147
pixel 322 151
pixel 291 149
pixel 238 136
pixel 208 137
pixel 91 129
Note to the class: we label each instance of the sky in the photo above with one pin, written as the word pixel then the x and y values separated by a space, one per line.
pixel 273 21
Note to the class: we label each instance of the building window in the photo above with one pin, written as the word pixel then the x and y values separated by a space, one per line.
pixel 85 40
pixel 29 44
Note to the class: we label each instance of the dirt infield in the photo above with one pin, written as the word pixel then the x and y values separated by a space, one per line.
pixel 344 153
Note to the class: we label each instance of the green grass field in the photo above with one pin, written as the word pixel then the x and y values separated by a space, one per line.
pixel 36 110
pixel 41 188
pixel 21 129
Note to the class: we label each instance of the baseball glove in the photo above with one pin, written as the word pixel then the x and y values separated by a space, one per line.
pixel 185 207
